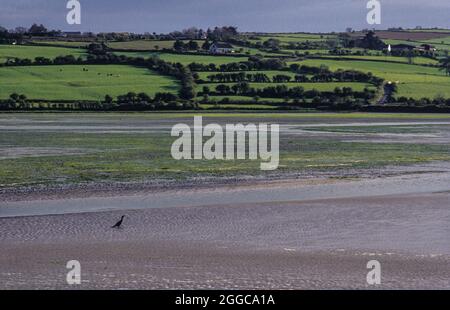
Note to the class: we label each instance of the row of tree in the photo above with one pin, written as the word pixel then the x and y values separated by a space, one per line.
pixel 253 63
pixel 127 102
pixel 318 76
pixel 283 91
pixel 444 65
pixel 193 33
pixel 369 41
pixel 180 46
pixel 437 101
pixel 321 73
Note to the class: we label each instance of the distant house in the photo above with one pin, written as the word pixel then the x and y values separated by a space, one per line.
pixel 426 48
pixel 221 48
pixel 71 34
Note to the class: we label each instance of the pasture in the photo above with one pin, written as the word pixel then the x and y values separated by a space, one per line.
pixel 31 52
pixel 382 58
pixel 186 59
pixel 286 38
pixel 80 44
pixel 73 82
pixel 146 45
pixel 413 81
pixel 269 73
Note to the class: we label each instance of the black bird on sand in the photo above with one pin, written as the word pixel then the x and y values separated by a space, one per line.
pixel 119 223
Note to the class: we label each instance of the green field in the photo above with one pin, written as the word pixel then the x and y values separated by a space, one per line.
pixel 304 52
pixel 270 74
pixel 146 45
pixel 72 83
pixel 294 37
pixel 152 45
pixel 445 40
pixel 430 30
pixel 422 79
pixel 186 59
pixel 405 60
pixel 239 106
pixel 413 81
pixel 254 51
pixel 247 99
pixel 80 44
pixel 31 52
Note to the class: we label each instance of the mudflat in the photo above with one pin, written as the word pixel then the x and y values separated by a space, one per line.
pixel 324 243
pixel 352 188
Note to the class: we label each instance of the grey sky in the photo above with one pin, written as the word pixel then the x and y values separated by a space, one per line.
pixel 248 15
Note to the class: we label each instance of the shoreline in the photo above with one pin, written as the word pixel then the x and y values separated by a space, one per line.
pixel 111 189
pixel 284 192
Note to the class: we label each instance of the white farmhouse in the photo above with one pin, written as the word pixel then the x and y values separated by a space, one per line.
pixel 221 48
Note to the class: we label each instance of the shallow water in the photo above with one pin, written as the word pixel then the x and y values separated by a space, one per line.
pixel 407 184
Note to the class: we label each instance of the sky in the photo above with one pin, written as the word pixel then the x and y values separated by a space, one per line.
pixel 162 16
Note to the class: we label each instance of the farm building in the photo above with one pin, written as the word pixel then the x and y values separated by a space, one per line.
pixel 221 48
pixel 71 34
pixel 426 48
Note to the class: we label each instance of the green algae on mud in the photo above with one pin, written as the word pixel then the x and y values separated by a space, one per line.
pixel 132 147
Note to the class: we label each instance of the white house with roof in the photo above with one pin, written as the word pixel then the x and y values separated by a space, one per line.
pixel 221 48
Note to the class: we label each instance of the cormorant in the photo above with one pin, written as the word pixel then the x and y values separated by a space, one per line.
pixel 119 223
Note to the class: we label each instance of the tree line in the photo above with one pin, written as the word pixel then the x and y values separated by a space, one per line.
pixel 283 91
pixel 306 75
pixel 127 102
pixel 253 63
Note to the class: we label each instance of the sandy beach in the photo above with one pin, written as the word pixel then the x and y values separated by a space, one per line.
pixel 305 244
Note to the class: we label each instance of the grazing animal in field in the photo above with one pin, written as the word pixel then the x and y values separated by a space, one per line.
pixel 119 223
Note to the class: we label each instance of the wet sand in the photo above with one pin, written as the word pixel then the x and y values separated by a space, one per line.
pixel 312 244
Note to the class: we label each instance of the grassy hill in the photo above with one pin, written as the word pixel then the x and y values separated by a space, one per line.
pixel 72 83
pixel 414 81
pixel 146 45
pixel 31 52
pixel 420 79
pixel 186 59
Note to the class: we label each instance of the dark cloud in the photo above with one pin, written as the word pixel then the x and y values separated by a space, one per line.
pixel 248 15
